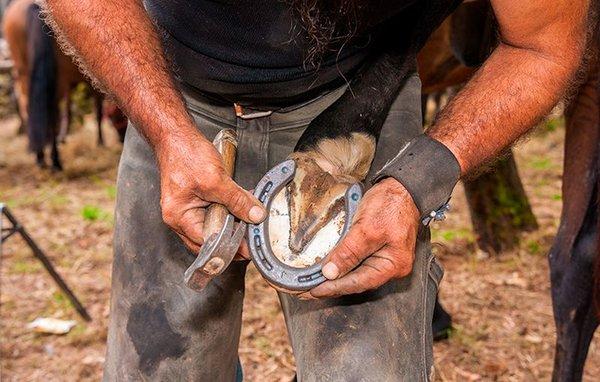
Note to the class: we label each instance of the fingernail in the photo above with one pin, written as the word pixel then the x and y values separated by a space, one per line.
pixel 257 214
pixel 331 271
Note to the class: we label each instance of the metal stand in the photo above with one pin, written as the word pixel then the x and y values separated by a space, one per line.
pixel 41 256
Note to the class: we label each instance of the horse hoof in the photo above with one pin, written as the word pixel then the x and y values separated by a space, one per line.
pixel 442 323
pixel 441 330
pixel 57 167
pixel 41 163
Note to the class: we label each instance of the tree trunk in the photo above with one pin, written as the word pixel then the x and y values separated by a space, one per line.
pixel 499 207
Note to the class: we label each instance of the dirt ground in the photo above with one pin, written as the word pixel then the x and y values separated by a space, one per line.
pixel 504 328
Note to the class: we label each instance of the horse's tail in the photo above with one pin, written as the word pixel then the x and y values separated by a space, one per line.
pixel 43 78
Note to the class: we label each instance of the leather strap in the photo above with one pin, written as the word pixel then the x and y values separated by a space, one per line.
pixel 428 170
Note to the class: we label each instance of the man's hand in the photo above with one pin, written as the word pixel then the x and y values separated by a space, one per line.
pixel 192 177
pixel 125 56
pixel 379 246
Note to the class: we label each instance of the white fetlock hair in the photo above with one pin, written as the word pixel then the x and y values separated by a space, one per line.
pixel 346 158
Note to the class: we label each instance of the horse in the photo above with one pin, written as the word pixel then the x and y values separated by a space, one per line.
pixel 44 76
pixel 574 259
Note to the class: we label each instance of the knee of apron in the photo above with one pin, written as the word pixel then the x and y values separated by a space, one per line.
pixel 384 334
pixel 159 329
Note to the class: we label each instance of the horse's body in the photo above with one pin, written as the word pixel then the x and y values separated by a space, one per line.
pixel 43 76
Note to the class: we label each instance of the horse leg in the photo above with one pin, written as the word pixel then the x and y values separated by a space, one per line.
pixel 98 101
pixel 65 116
pixel 442 321
pixel 56 125
pixel 572 280
pixel 20 94
pixel 40 158
pixel 42 95
pixel 117 118
pixel 55 155
pixel 575 248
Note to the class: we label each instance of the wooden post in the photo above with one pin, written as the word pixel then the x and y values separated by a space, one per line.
pixel 499 207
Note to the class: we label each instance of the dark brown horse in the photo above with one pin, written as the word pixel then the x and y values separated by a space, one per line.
pixel 43 77
pixel 574 259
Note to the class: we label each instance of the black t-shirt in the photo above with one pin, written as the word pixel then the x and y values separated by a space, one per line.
pixel 256 49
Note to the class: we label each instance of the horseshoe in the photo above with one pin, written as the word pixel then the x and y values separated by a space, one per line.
pixel 270 267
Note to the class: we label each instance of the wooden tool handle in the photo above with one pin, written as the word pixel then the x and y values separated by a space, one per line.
pixel 226 144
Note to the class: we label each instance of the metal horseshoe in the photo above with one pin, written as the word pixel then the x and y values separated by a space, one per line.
pixel 270 267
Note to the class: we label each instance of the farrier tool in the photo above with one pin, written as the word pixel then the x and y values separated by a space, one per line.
pixel 223 240
pixel 275 271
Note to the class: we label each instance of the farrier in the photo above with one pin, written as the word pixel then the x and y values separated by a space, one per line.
pixel 299 61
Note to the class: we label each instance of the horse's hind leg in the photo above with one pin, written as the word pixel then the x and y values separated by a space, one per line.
pixel 572 279
pixel 64 109
pixel 575 248
pixel 98 100
pixel 442 322
pixel 55 155
pixel 40 158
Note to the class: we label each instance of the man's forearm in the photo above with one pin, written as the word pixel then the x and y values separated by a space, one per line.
pixel 518 85
pixel 119 47
pixel 513 90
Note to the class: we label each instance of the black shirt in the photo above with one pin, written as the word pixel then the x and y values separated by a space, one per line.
pixel 256 49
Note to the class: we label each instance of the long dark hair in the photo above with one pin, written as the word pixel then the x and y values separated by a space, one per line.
pixel 329 24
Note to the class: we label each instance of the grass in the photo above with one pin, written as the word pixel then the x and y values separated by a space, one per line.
pixel 10 203
pixel 533 247
pixel 51 196
pixel 94 213
pixel 509 264
pixel 462 337
pixel 27 200
pixel 60 303
pixel 77 331
pixel 8 305
pixel 91 213
pixel 58 200
pixel 111 191
pixel 96 179
pixel 57 305
pixel 25 266
pixel 540 163
pixel 264 345
pixel 553 124
pixel 451 235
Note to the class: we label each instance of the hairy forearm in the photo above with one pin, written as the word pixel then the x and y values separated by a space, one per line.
pixel 540 51
pixel 513 90
pixel 118 46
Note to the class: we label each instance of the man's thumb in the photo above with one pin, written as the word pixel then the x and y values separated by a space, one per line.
pixel 242 204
